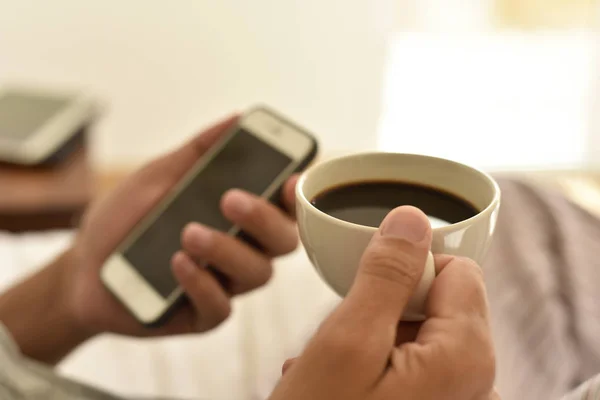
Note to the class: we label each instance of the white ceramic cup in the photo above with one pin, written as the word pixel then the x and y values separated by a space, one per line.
pixel 335 247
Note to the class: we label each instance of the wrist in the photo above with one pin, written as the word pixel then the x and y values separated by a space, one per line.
pixel 38 313
pixel 66 271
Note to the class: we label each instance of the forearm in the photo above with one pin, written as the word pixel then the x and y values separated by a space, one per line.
pixel 37 314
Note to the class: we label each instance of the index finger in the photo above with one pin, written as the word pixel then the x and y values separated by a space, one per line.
pixel 289 195
pixel 457 290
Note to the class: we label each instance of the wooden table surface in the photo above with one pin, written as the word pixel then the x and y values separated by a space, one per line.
pixel 35 198
pixel 56 197
pixel 581 186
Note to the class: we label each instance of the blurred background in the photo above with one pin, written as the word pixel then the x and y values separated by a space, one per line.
pixel 501 84
pixel 497 83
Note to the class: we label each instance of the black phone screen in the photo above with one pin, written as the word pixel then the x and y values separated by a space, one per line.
pixel 245 162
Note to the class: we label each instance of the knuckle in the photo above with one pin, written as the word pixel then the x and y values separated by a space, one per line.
pixel 344 347
pixel 487 355
pixel 347 342
pixel 222 312
pixel 272 228
pixel 220 246
pixel 484 368
pixel 393 266
pixel 471 266
pixel 289 240
pixel 259 216
pixel 474 285
pixel 255 275
pixel 263 274
pixel 222 249
pixel 214 317
pixel 477 349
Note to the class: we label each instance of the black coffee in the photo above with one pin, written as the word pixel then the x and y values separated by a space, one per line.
pixel 367 203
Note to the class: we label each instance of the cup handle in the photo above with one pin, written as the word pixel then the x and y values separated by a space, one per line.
pixel 415 309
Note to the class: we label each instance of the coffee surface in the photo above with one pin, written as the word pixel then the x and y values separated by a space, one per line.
pixel 367 203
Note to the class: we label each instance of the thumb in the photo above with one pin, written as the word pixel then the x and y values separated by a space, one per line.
pixel 391 268
pixel 199 144
pixel 180 160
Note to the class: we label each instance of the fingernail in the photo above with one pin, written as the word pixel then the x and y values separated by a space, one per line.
pixel 407 223
pixel 239 201
pixel 198 236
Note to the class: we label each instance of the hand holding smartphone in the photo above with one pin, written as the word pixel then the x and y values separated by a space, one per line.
pixel 258 155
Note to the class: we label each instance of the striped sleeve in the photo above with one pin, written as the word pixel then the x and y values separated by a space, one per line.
pixel 23 379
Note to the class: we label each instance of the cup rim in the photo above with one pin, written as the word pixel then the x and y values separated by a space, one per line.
pixel 441 229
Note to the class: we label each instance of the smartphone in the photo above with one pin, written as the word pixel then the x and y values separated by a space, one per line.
pixel 38 126
pixel 257 155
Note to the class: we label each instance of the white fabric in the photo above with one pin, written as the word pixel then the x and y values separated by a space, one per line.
pixel 240 360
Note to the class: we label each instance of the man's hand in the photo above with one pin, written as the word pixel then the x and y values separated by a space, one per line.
pixel 362 352
pixel 53 311
pixel 108 222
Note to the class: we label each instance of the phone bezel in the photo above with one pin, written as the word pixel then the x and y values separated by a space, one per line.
pixel 128 285
pixel 56 131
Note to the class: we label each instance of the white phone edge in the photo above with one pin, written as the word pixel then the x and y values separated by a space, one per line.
pixel 127 284
pixel 46 140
